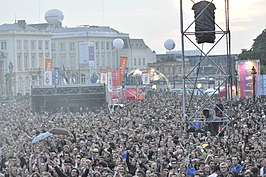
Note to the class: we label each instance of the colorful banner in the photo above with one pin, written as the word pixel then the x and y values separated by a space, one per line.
pixel 86 54
pixel 263 85
pixel 103 78
pixel 122 68
pixel 109 82
pixel 48 77
pixel 246 78
pixel 115 79
pixel 107 71
pixel 145 78
pixel 56 75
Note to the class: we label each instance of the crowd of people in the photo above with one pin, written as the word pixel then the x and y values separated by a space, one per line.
pixel 147 138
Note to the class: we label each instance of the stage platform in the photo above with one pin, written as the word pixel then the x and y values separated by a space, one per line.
pixel 73 98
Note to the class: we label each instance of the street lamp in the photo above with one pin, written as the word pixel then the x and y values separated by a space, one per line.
pixel 169 44
pixel 118 44
pixel 254 73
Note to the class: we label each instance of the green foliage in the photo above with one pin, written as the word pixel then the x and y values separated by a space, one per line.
pixel 257 52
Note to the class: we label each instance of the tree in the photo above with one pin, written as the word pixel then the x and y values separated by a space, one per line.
pixel 257 51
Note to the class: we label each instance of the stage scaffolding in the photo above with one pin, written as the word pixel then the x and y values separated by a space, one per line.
pixel 192 113
pixel 72 98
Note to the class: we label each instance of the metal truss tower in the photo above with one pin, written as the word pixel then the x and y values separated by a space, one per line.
pixel 192 110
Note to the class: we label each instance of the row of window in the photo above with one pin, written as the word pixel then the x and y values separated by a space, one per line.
pixel 33 61
pixel 139 61
pixel 72 46
pixel 62 46
pixel 30 61
pixel 103 45
pixel 32 44
pixel 3 45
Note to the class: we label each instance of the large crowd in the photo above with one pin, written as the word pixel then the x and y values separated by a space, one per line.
pixel 145 138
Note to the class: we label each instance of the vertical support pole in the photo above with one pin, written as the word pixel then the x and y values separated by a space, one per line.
pixel 183 66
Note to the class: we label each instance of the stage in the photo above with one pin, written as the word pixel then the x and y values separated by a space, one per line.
pixel 68 98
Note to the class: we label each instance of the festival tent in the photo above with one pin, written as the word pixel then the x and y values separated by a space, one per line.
pixel 129 94
pixel 133 94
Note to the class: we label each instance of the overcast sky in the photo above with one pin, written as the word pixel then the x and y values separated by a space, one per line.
pixel 151 20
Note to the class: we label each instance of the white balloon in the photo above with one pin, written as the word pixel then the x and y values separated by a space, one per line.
pixel 118 43
pixel 169 44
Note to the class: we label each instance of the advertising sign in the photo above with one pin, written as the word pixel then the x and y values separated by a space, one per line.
pixel 246 78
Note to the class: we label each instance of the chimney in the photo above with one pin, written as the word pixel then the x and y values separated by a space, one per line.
pixel 22 23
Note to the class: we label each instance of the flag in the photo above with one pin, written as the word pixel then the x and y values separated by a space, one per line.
pixel 145 78
pixel 56 75
pixel 103 78
pixel 122 68
pixel 110 82
pixel 48 78
pixel 66 80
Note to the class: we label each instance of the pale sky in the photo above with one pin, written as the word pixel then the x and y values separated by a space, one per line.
pixel 152 20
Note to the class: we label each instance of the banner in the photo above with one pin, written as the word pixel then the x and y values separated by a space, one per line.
pixel 56 75
pixel 145 78
pixel 86 54
pixel 122 68
pixel 48 77
pixel 246 78
pixel 65 77
pixel 115 79
pixel 103 78
pixel 109 82
pixel 263 85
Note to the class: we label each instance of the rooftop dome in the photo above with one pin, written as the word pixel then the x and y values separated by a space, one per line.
pixel 54 16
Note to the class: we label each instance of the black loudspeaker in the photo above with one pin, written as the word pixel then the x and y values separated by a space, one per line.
pixel 204 21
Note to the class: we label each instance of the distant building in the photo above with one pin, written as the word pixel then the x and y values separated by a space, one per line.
pixel 27 47
pixel 187 53
pixel 171 66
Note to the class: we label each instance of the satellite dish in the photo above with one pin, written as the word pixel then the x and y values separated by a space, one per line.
pixel 54 16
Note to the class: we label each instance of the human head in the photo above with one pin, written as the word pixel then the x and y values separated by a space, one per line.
pixel 223 167
pixel 74 172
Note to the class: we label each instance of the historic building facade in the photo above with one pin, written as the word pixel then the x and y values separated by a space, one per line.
pixel 26 46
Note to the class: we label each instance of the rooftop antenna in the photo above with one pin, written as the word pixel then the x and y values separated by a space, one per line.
pixel 15 17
